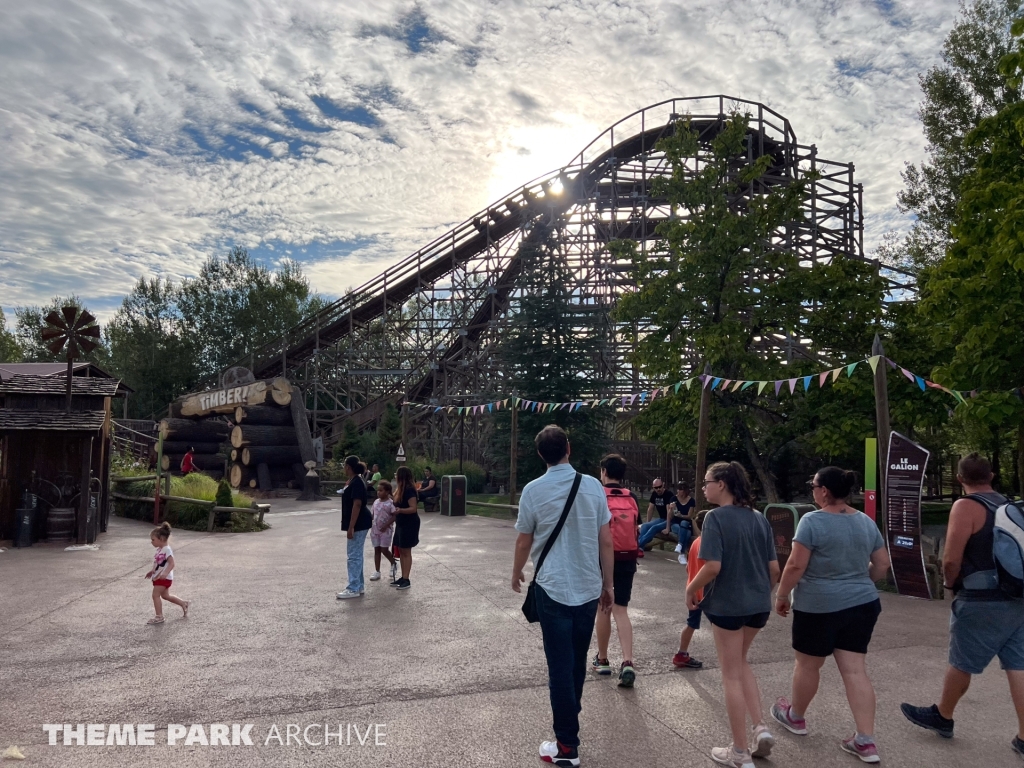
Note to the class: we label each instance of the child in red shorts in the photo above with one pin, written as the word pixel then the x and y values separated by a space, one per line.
pixel 163 573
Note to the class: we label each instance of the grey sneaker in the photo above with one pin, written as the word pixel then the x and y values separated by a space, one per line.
pixel 781 712
pixel 348 594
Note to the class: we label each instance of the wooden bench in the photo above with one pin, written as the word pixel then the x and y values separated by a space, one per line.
pixel 662 539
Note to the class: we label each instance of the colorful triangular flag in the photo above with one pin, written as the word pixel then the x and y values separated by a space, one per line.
pixel 873 362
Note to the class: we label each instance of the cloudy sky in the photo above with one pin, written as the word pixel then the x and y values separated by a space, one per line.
pixel 137 137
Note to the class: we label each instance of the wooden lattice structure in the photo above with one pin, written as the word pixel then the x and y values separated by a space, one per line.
pixel 427 328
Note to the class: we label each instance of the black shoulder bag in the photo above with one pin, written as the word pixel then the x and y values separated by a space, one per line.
pixel 530 604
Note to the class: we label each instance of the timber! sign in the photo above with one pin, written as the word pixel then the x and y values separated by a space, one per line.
pixel 904 479
pixel 225 400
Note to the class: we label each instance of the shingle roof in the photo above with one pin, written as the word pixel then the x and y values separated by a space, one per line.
pixel 76 421
pixel 58 370
pixel 54 385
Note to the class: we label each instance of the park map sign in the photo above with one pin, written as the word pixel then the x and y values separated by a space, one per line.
pixel 904 479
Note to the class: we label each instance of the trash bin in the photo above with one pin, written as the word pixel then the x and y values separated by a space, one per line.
pixel 24 520
pixel 453 495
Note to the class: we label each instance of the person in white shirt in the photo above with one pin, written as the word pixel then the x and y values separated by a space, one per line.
pixel 575 579
pixel 163 573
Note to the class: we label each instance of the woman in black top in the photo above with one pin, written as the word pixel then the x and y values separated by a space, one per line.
pixel 407 524
pixel 356 520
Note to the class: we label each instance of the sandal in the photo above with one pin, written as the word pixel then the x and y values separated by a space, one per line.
pixel 156 620
pixel 185 608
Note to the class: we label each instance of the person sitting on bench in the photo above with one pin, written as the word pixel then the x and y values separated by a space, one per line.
pixel 428 491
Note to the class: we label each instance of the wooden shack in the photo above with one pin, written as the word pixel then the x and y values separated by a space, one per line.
pixel 44 446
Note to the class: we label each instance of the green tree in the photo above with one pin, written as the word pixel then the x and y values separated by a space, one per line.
pixel 29 328
pixel 550 353
pixel 235 305
pixel 725 276
pixel 389 433
pixel 974 296
pixel 148 349
pixel 958 93
pixel 10 352
pixel 350 441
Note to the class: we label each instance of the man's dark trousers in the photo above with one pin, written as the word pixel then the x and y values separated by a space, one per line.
pixel 567 630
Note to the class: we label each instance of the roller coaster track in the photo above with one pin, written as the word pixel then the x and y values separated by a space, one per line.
pixel 426 328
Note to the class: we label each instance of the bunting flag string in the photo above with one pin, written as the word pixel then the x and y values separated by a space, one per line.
pixel 710 382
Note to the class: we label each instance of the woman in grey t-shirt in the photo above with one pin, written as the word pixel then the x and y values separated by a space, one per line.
pixel 740 570
pixel 838 554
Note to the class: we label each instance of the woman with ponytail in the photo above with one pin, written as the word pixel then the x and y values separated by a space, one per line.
pixel 838 555
pixel 407 524
pixel 740 569
pixel 356 520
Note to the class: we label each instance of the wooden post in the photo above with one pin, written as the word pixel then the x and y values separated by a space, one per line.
pixel 703 427
pixel 67 405
pixel 462 433
pixel 514 452
pixel 882 429
pixel 156 488
pixel 81 532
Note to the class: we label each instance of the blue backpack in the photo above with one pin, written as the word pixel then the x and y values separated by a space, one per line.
pixel 1007 544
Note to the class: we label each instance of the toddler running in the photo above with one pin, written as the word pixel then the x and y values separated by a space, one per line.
pixel 163 574
pixel 383 529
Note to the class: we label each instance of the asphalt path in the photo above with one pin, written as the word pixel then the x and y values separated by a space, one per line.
pixel 447 672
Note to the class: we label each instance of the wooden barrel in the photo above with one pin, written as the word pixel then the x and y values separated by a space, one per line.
pixel 60 524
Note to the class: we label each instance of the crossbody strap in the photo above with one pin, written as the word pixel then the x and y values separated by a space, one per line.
pixel 558 528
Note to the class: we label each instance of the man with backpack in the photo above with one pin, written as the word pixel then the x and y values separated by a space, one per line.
pixel 624 507
pixel 983 566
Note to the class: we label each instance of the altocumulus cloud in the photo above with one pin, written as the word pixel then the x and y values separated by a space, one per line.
pixel 140 137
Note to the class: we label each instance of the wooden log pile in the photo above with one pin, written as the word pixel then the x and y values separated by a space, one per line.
pixel 248 429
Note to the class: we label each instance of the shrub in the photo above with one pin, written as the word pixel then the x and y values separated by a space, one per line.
pixel 193 517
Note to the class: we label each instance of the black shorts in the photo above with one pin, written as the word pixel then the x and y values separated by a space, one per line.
pixel 693 619
pixel 407 531
pixel 818 634
pixel 622 581
pixel 732 623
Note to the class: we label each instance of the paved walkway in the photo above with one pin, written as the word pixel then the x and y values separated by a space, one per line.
pixel 449 667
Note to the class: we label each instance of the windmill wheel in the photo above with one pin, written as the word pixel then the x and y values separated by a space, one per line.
pixel 72 331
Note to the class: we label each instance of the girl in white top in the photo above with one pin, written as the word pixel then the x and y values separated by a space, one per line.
pixel 163 573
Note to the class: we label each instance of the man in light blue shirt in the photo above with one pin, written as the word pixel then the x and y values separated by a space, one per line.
pixel 575 579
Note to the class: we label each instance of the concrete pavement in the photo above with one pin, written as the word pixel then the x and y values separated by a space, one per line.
pixel 449 669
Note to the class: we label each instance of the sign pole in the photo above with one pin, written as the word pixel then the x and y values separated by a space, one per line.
pixel 882 428
pixel 871 477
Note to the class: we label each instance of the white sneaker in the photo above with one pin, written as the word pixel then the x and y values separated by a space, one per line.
pixel 348 594
pixel 761 741
pixel 550 753
pixel 679 548
pixel 682 559
pixel 375 576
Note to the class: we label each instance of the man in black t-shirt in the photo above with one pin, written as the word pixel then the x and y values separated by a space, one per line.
pixel 661 497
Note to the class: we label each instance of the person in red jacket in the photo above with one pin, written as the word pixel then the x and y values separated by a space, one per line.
pixel 187 465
